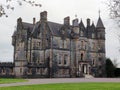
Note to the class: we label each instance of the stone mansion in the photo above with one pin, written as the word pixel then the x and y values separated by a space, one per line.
pixel 46 49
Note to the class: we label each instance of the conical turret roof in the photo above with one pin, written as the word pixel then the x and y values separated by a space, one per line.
pixel 81 24
pixel 100 23
pixel 93 25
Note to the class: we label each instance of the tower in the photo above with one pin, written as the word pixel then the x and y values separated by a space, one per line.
pixel 19 50
pixel 101 47
pixel 74 43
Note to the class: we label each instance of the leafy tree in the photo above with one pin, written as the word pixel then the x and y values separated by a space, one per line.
pixel 7 4
pixel 110 68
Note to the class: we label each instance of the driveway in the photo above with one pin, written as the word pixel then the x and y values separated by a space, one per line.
pixel 62 80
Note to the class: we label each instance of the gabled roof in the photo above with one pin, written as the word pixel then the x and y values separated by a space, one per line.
pixel 54 28
pixel 100 23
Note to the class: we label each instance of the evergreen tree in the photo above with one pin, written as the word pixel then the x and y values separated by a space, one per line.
pixel 110 68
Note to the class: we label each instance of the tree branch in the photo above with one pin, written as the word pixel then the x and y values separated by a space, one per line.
pixel 8 5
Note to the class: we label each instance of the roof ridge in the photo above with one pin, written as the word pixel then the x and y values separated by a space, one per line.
pixel 54 22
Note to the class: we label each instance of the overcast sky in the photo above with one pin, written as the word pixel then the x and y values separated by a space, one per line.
pixel 57 10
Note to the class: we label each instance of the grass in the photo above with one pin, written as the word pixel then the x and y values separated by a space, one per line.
pixel 9 80
pixel 67 86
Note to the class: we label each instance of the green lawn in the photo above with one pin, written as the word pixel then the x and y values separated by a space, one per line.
pixel 68 86
pixel 9 80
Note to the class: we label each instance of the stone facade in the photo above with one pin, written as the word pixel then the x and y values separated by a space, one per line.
pixel 7 70
pixel 49 49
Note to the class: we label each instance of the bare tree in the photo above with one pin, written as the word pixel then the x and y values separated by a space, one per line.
pixel 114 6
pixel 8 5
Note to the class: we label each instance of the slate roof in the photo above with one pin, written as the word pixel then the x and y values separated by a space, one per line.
pixel 35 29
pixel 100 23
pixel 14 34
pixel 54 27
pixel 28 26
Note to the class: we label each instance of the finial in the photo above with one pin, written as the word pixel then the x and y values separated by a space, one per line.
pixel 75 15
pixel 99 12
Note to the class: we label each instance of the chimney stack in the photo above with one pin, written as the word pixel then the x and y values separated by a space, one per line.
pixel 19 20
pixel 88 22
pixel 34 21
pixel 67 21
pixel 43 16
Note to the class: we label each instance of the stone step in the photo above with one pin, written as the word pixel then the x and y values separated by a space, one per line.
pixel 88 76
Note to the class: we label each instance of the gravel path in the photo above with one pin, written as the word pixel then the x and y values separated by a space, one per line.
pixel 61 80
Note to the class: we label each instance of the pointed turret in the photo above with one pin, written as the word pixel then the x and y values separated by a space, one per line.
pixel 82 29
pixel 93 25
pixel 100 23
pixel 81 24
